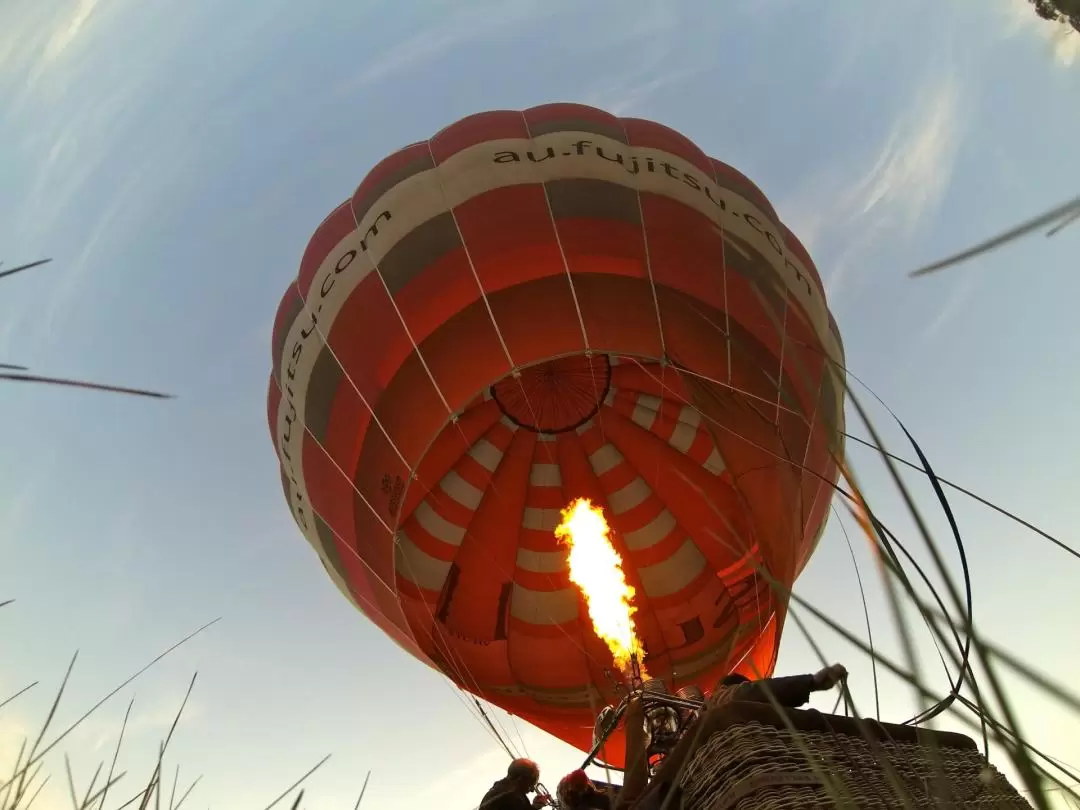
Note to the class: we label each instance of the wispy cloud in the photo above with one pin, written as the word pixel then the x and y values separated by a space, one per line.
pixel 887 194
pixel 92 742
pixel 126 196
pixel 14 733
pixel 482 768
pixel 20 505
pixel 442 34
pixel 145 726
pixel 36 39
pixel 626 95
pixel 652 42
pixel 952 306
pixel 91 155
pixel 69 29
pixel 1019 19
pixel 70 111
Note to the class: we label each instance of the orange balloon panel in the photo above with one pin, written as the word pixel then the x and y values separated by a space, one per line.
pixel 536 306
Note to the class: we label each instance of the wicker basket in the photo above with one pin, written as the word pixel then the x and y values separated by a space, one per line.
pixel 758 760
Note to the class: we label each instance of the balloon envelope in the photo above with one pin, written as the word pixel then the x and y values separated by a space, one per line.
pixel 534 306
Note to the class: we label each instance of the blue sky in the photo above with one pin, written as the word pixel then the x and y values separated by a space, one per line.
pixel 174 157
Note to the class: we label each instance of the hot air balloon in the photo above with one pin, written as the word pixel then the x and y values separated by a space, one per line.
pixel 534 306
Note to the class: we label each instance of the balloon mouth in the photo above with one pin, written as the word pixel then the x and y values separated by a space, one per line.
pixel 557 395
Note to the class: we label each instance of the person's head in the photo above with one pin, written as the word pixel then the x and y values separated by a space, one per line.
pixel 572 788
pixel 524 773
pixel 734 679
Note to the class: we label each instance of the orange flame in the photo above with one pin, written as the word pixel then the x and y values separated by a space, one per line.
pixel 596 568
